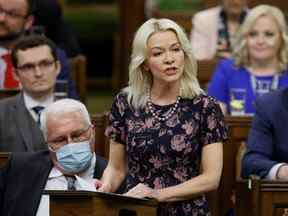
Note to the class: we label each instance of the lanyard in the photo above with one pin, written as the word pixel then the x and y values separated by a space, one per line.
pixel 273 86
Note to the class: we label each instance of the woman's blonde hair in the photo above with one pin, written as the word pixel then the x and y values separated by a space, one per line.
pixel 140 81
pixel 241 50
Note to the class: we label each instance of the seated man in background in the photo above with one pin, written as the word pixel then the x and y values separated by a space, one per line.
pixel 70 163
pixel 267 149
pixel 213 30
pixel 16 18
pixel 36 67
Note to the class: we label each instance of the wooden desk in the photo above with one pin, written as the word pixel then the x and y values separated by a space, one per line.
pixel 257 197
pixel 65 203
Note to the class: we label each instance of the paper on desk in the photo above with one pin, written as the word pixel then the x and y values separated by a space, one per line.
pixel 44 206
pixel 85 185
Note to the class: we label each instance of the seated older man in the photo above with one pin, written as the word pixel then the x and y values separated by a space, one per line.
pixel 69 163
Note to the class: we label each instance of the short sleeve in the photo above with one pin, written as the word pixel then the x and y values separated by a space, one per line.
pixel 116 129
pixel 213 127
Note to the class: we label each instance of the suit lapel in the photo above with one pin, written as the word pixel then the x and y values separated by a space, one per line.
pixel 23 121
pixel 42 175
pixel 285 97
pixel 37 176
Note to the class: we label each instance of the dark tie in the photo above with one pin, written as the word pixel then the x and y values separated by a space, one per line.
pixel 71 182
pixel 38 110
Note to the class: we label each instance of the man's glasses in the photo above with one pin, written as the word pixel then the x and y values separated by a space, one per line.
pixel 77 136
pixel 11 14
pixel 44 65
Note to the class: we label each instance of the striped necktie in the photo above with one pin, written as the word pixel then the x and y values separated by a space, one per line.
pixel 71 183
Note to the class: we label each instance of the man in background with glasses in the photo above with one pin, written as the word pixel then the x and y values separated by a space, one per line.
pixel 69 164
pixel 16 19
pixel 36 67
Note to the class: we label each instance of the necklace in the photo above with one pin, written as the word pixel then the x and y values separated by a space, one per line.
pixel 272 87
pixel 168 114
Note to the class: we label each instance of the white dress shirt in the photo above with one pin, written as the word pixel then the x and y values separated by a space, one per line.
pixel 31 102
pixel 57 181
pixel 3 66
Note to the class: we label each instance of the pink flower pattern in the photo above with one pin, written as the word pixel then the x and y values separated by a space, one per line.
pixel 163 154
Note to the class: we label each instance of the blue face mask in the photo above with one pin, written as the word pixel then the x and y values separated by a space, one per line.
pixel 75 157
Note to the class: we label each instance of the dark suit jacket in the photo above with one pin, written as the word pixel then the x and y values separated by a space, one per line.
pixel 23 180
pixel 18 130
pixel 268 139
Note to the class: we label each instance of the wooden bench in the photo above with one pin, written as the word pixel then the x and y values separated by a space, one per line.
pixel 257 197
pixel 100 122
pixel 238 130
pixel 205 72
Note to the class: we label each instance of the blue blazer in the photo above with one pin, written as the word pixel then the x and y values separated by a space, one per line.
pixel 267 142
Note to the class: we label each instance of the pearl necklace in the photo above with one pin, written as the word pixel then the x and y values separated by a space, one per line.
pixel 168 115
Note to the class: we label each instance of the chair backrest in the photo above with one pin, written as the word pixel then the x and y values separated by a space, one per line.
pixel 100 122
pixel 238 130
pixel 78 74
pixel 4 156
pixel 205 72
pixel 4 93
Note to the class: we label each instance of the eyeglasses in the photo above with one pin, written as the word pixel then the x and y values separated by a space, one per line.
pixel 45 65
pixel 11 14
pixel 77 136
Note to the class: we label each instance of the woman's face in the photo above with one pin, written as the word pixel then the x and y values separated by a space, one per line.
pixel 264 40
pixel 165 58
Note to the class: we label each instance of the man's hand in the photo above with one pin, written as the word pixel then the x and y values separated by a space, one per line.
pixel 282 173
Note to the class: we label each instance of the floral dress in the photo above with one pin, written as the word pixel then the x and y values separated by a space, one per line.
pixel 166 153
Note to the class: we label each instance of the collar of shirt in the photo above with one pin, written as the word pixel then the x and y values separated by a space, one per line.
pixel 3 66
pixel 84 181
pixel 31 102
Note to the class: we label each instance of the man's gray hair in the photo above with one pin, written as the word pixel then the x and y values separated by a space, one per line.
pixel 64 106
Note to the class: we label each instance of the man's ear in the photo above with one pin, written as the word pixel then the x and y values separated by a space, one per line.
pixel 29 22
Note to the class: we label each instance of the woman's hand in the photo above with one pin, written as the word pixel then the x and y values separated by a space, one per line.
pixel 143 191
pixel 102 187
pixel 97 183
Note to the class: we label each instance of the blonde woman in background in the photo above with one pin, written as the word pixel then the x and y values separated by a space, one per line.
pixel 260 60
pixel 163 128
